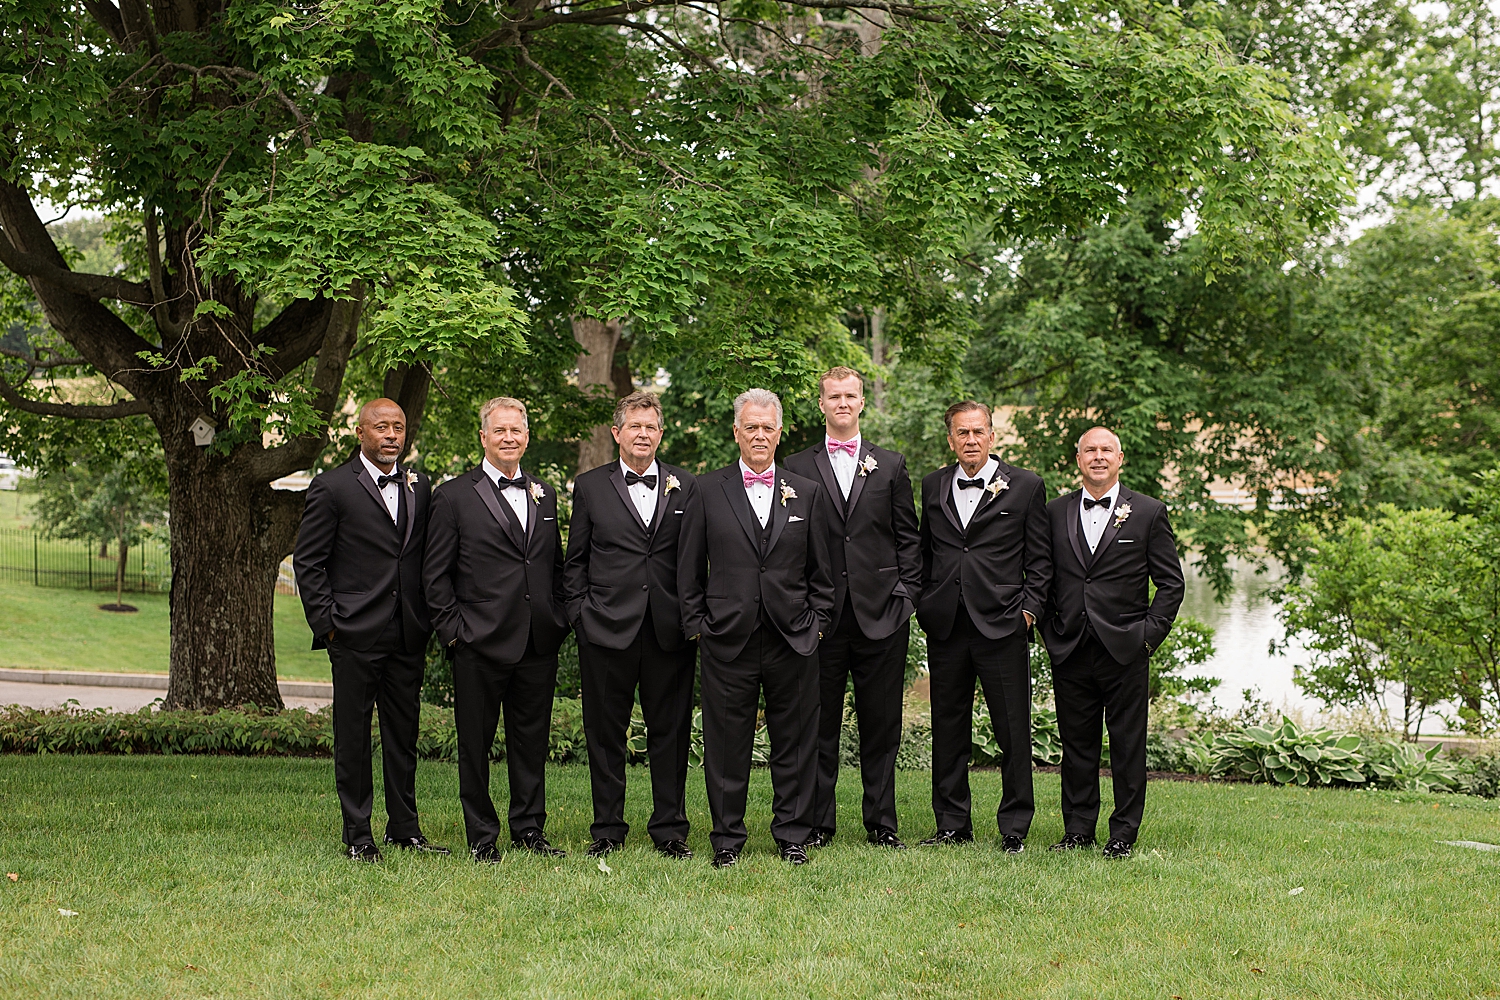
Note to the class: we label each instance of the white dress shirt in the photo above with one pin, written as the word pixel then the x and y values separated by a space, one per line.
pixel 1095 518
pixel 391 492
pixel 844 464
pixel 643 495
pixel 967 501
pixel 760 496
pixel 515 496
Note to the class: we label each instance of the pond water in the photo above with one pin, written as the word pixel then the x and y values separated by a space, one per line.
pixel 1244 626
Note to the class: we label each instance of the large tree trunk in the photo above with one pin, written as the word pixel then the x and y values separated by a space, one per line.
pixel 408 386
pixel 596 373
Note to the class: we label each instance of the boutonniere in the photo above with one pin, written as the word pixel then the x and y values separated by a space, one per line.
pixel 1122 514
pixel 411 481
pixel 1000 483
pixel 537 492
pixel 868 466
pixel 672 483
pixel 787 493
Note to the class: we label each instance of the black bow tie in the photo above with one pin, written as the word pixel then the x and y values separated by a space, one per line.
pixel 502 483
pixel 632 478
pixel 1089 502
pixel 971 484
pixel 381 482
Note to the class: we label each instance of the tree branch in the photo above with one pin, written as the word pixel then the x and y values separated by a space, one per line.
pixel 111 411
pixel 296 333
pixel 95 286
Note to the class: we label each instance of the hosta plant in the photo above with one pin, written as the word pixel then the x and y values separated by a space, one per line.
pixel 1407 767
pixel 1290 755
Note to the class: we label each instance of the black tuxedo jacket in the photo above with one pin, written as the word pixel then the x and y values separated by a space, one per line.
pixel 729 584
pixel 490 580
pixel 1108 586
pixel 353 564
pixel 617 565
pixel 1000 566
pixel 874 544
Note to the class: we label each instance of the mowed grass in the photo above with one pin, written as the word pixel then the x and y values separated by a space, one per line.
pixel 220 877
pixel 58 629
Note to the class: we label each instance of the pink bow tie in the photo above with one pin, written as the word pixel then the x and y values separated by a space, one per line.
pixel 851 448
pixel 765 479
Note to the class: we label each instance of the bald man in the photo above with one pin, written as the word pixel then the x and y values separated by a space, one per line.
pixel 359 570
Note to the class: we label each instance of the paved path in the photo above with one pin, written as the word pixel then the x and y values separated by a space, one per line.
pixel 119 699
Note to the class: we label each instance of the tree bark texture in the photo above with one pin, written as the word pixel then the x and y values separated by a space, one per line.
pixel 596 374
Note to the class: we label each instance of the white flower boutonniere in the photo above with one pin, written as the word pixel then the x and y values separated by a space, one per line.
pixel 868 466
pixel 672 483
pixel 787 493
pixel 1122 514
pixel 537 492
pixel 411 481
pixel 999 484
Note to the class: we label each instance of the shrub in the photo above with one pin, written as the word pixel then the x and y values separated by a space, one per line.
pixel 1190 754
pixel 1481 776
pixel 1406 767
pixel 1290 755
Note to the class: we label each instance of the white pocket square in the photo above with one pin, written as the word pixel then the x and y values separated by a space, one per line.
pixel 549 519
pixel 794 517
pixel 677 512
pixel 1125 541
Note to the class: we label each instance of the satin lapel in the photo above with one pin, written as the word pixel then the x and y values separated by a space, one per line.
pixel 368 482
pixel 859 481
pixel 946 500
pixel 1111 527
pixel 989 495
pixel 618 479
pixel 734 492
pixel 661 504
pixel 779 515
pixel 533 507
pixel 407 495
pixel 1073 529
pixel 502 513
pixel 830 481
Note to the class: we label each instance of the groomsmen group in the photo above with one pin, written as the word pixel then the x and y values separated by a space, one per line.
pixel 792 584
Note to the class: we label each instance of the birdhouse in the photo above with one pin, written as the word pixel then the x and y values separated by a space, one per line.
pixel 202 430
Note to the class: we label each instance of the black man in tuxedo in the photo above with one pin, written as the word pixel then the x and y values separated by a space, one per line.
pixel 494 578
pixel 1101 627
pixel 621 583
pixel 757 591
pixel 358 562
pixel 874 548
pixel 986 568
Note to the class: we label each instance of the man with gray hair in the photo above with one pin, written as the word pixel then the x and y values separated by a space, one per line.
pixel 757 591
pixel 494 580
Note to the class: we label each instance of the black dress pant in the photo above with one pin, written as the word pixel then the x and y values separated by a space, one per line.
pixel 482 688
pixel 731 694
pixel 1092 688
pixel 387 675
pixel 610 677
pixel 1003 669
pixel 878 667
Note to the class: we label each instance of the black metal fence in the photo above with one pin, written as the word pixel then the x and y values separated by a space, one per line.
pixel 28 557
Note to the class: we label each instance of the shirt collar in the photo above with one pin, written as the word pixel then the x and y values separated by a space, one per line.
pixel 495 474
pixel 649 472
pixel 745 468
pixel 374 470
pixel 1113 493
pixel 986 472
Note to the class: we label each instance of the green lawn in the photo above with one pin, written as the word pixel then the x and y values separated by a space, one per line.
pixel 197 877
pixel 60 629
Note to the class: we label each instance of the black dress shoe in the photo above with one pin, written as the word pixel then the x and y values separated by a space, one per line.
pixel 821 837
pixel 792 854
pixel 418 843
pixel 726 858
pixel 362 852
pixel 533 841
pixel 887 838
pixel 488 854
pixel 1012 844
pixel 676 849
pixel 603 846
pixel 1116 850
pixel 1073 842
pixel 948 837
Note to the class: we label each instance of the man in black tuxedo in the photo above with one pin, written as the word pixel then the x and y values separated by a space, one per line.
pixel 494 577
pixel 986 567
pixel 359 570
pixel 874 547
pixel 756 587
pixel 621 582
pixel 1101 627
